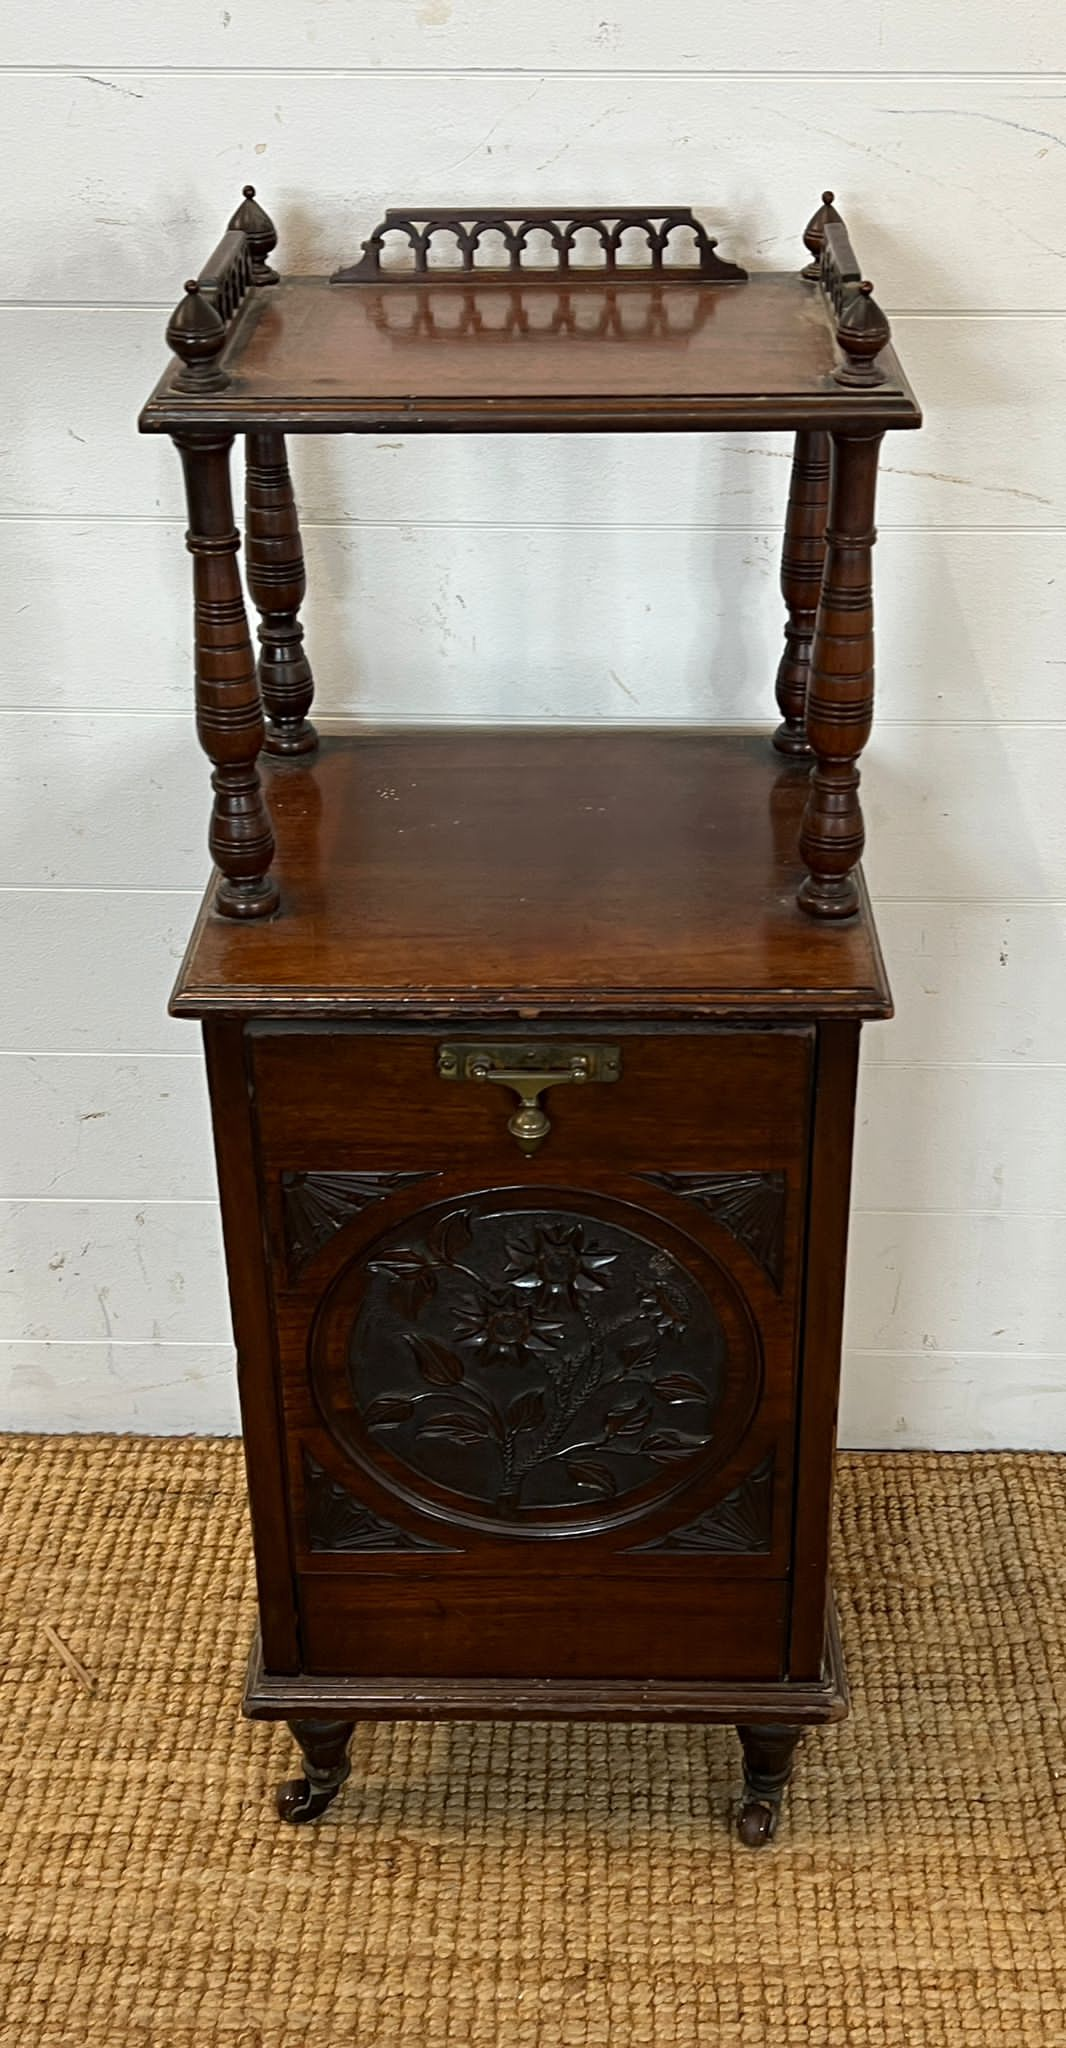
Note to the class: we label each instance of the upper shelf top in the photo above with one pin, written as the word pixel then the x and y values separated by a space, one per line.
pixel 518 329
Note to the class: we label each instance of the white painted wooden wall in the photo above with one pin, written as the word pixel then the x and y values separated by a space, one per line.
pixel 128 131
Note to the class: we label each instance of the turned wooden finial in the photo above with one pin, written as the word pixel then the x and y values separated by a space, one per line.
pixel 862 331
pixel 251 220
pixel 814 234
pixel 197 333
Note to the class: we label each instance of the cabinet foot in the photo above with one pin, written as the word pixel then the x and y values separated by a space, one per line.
pixel 324 1748
pixel 769 1753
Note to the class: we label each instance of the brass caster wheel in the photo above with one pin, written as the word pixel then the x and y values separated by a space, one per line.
pixel 297 1801
pixel 757 1823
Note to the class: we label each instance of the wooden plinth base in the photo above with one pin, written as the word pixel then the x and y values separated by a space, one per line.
pixel 771 1717
pixel 807 1703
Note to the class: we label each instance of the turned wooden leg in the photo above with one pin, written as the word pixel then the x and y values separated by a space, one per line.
pixel 229 715
pixel 324 1748
pixel 769 1754
pixel 840 694
pixel 802 560
pixel 277 581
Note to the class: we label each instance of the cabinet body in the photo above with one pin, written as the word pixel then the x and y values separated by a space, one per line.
pixel 534 1152
pixel 566 1417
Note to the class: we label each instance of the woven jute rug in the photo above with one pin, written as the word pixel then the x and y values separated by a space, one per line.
pixel 527 1886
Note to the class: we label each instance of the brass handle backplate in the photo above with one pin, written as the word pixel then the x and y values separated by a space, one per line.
pixel 530 1070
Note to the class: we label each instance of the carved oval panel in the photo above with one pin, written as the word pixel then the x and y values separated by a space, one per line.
pixel 536 1361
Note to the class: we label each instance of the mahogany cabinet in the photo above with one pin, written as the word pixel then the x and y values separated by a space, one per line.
pixel 532 1053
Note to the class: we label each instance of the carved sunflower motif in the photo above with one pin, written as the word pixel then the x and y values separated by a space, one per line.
pixel 556 1258
pixel 504 1325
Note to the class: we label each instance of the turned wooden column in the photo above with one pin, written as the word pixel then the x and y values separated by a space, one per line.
pixel 840 693
pixel 229 715
pixel 802 561
pixel 276 578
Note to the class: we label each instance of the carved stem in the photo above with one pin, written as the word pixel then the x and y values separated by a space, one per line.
pixel 802 561
pixel 278 583
pixel 229 715
pixel 840 695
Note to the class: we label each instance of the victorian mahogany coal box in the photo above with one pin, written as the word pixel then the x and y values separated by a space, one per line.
pixel 532 1054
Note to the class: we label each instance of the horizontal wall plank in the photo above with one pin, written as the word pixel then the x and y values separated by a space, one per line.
pixel 993 451
pixel 972 981
pixel 105 1128
pixel 148 1389
pixel 930 793
pixel 569 35
pixel 991 1138
pixel 89 972
pixel 113 1271
pixel 912 1401
pixel 92 804
pixel 935 178
pixel 940 1282
pixel 408 622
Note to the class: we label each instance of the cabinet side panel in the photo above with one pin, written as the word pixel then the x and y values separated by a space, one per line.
pixel 253 1328
pixel 829 1194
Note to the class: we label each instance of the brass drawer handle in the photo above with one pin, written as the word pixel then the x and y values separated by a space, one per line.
pixel 530 1070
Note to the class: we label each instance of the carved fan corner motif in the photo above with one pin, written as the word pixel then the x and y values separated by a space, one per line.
pixel 751 1206
pixel 316 1205
pixel 336 1521
pixel 741 1525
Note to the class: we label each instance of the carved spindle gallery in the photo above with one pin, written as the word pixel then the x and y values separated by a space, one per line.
pixel 466 231
pixel 278 583
pixel 229 715
pixel 840 695
pixel 802 563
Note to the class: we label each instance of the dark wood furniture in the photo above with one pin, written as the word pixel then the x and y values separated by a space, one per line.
pixel 532 1054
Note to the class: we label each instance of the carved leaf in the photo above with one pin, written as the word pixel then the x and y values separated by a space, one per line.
pixel 412 1275
pixel 438 1364
pixel 597 1478
pixel 389 1408
pixel 528 1411
pixel 460 1425
pixel 449 1237
pixel 679 1386
pixel 664 1445
pixel 751 1206
pixel 629 1420
pixel 640 1351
